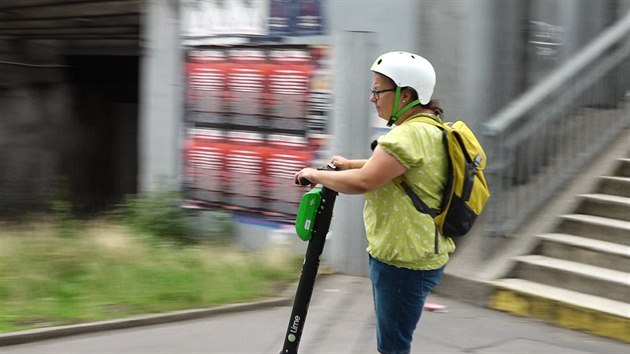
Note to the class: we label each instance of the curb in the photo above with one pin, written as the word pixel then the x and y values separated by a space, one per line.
pixel 27 336
pixel 561 314
pixel 471 291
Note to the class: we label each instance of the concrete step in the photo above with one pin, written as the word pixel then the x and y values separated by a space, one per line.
pixel 600 228
pixel 585 250
pixel 566 308
pixel 609 206
pixel 623 167
pixel 584 278
pixel 614 185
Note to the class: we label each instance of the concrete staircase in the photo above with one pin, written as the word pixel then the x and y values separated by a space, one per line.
pixel 578 276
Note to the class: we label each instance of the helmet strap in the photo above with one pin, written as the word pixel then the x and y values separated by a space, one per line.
pixel 395 113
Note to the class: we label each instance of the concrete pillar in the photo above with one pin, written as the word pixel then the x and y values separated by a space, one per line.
pixel 161 97
pixel 478 59
pixel 353 55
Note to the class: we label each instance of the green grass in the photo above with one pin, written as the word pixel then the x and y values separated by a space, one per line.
pixel 107 271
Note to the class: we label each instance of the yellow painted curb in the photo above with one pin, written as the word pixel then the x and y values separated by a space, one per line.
pixel 561 314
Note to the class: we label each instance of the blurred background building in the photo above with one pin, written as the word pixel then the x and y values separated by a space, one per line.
pixel 225 99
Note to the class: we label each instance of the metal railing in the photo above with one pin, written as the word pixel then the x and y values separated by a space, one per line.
pixel 542 139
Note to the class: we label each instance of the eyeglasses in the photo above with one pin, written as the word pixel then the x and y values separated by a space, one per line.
pixel 376 93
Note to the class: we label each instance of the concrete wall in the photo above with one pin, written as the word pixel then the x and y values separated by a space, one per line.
pixel 395 23
pixel 30 141
pixel 68 124
pixel 34 114
pixel 474 52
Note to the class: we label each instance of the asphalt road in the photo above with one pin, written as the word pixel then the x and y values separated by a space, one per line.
pixel 340 320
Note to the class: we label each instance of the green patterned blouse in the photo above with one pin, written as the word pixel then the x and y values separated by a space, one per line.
pixel 397 233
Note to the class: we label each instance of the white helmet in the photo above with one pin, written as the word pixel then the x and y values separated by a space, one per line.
pixel 408 69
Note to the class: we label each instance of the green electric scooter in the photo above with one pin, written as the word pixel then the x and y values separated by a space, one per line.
pixel 311 224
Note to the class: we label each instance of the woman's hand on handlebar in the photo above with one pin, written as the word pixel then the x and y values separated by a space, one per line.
pixel 341 163
pixel 305 177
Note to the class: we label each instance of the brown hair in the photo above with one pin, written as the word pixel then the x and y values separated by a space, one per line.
pixel 433 105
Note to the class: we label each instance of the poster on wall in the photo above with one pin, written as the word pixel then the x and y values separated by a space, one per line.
pixel 255 115
pixel 216 18
pixel 207 18
pixel 295 18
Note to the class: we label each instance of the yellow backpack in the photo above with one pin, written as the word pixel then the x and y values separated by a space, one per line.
pixel 466 191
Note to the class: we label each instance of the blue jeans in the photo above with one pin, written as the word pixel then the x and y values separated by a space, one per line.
pixel 399 296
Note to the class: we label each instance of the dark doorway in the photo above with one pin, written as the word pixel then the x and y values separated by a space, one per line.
pixel 101 161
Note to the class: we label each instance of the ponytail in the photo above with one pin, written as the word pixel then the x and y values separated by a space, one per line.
pixel 434 105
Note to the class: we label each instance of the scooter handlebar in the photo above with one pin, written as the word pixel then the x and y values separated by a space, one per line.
pixel 304 181
pixel 329 167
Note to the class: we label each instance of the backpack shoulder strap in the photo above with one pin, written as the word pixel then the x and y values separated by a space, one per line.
pixel 427 118
pixel 417 202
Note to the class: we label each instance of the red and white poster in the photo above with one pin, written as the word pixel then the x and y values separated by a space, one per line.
pixel 256 115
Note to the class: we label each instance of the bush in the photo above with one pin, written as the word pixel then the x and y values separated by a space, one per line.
pixel 67 223
pixel 216 226
pixel 158 214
